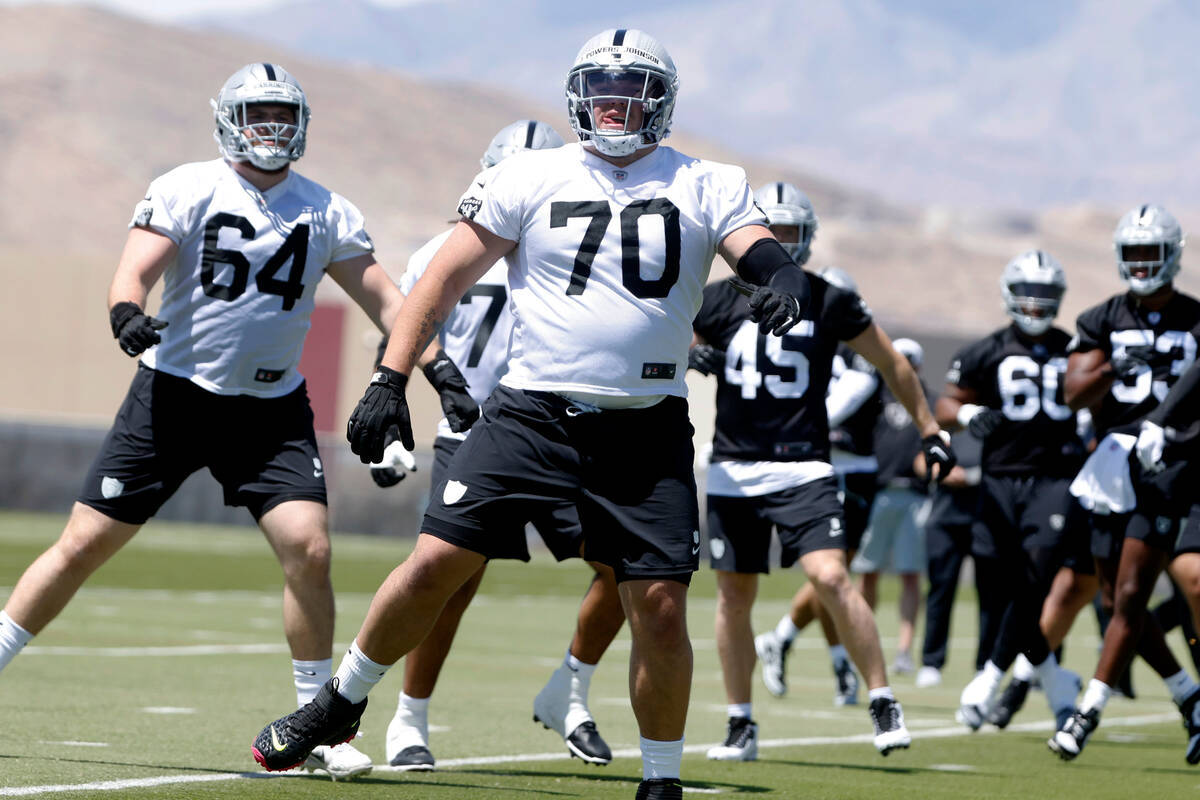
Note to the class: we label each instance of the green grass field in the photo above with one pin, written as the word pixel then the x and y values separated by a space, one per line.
pixel 154 680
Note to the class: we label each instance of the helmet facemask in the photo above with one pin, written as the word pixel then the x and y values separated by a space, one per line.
pixel 1148 266
pixel 594 92
pixel 1033 306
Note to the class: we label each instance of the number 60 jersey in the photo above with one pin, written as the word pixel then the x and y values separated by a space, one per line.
pixel 609 265
pixel 1121 322
pixel 240 294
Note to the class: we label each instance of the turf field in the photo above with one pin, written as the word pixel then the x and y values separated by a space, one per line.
pixel 157 676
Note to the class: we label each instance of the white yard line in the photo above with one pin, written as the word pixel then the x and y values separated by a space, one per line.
pixel 559 755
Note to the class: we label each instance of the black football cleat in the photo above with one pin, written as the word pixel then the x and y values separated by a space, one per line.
pixel 1010 702
pixel 328 719
pixel 660 789
pixel 586 743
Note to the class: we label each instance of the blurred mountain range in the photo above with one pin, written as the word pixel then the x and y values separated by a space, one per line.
pixel 1021 104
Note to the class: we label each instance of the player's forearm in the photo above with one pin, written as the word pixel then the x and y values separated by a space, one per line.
pixel 902 379
pixel 1084 388
pixel 945 411
pixel 1178 408
pixel 416 325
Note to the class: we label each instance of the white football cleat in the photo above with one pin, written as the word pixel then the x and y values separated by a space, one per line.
pixel 343 762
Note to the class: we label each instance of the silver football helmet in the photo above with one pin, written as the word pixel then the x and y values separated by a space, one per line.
pixel 839 278
pixel 271 145
pixel 784 204
pixel 525 134
pixel 622 66
pixel 1149 242
pixel 1032 286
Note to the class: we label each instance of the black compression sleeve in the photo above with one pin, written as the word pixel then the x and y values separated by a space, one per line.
pixel 766 263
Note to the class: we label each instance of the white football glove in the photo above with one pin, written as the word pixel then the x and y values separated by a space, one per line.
pixel 396 462
pixel 1150 443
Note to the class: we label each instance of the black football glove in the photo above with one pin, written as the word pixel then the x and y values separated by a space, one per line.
pixel 381 408
pixel 937 451
pixel 985 423
pixel 396 464
pixel 1126 363
pixel 775 311
pixel 132 329
pixel 706 359
pixel 460 408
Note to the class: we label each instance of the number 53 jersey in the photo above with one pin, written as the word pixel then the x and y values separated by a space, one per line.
pixel 239 296
pixel 609 265
pixel 1121 322
pixel 1024 380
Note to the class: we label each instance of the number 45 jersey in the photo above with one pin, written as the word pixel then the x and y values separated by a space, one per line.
pixel 1122 322
pixel 1024 379
pixel 239 297
pixel 771 392
pixel 609 265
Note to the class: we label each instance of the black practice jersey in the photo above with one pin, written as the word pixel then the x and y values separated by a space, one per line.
pixel 1121 322
pixel 771 393
pixel 897 442
pixel 1024 379
pixel 856 434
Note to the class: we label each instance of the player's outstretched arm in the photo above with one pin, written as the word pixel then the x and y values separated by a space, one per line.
pixel 1089 377
pixel 958 408
pixel 875 346
pixel 370 287
pixel 780 292
pixel 146 255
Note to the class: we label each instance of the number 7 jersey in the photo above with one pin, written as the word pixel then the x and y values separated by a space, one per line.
pixel 240 294
pixel 609 265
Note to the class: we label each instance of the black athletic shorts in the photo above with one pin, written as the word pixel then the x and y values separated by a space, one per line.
pixel 1164 502
pixel 1029 511
pixel 806 518
pixel 558 526
pixel 628 472
pixel 261 450
pixel 858 497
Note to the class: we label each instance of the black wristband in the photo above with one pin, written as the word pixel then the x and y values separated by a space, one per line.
pixel 766 263
pixel 390 377
pixel 121 313
pixel 433 368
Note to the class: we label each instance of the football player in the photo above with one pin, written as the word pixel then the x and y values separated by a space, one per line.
pixel 608 244
pixel 771 470
pixel 853 405
pixel 476 335
pixel 240 244
pixel 1127 353
pixel 1006 389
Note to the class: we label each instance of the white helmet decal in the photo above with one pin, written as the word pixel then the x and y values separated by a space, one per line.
pixel 784 204
pixel 622 66
pixel 1032 287
pixel 1148 242
pixel 268 146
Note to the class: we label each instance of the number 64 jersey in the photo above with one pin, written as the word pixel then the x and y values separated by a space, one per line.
pixel 239 296
pixel 609 265
pixel 1122 322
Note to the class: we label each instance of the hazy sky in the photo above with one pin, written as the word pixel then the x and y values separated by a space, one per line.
pixel 167 10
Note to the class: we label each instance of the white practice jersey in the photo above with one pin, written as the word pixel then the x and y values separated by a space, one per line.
pixel 240 294
pixel 476 333
pixel 610 263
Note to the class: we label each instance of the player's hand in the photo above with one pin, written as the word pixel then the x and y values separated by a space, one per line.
pixel 460 408
pixel 775 312
pixel 1150 443
pixel 985 423
pixel 938 452
pixel 706 359
pixel 1128 361
pixel 396 463
pixel 382 407
pixel 133 329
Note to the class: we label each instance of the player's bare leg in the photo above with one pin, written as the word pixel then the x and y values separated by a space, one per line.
pixel 1185 571
pixel 855 624
pixel 910 604
pixel 48 584
pixel 561 705
pixel 298 533
pixel 735 646
pixel 868 587
pixel 1070 593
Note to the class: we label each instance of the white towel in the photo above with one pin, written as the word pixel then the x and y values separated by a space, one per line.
pixel 1104 486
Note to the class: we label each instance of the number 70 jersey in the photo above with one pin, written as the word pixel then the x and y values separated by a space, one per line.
pixel 610 263
pixel 239 296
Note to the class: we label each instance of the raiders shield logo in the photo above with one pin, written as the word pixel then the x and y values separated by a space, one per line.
pixel 469 207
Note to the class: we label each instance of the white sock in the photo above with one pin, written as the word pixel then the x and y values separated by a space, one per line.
pixel 358 674
pixel 582 670
pixel 740 710
pixel 993 673
pixel 416 713
pixel 12 638
pixel 1060 693
pixel 1180 685
pixel 660 759
pixel 309 677
pixel 1046 671
pixel 1023 670
pixel 1095 696
pixel 838 655
pixel 882 691
pixel 786 630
